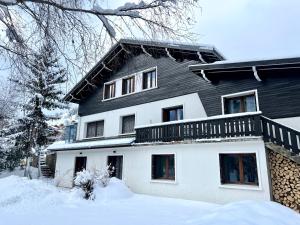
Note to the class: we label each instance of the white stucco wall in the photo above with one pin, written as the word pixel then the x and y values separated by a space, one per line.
pixel 293 122
pixel 196 166
pixel 144 114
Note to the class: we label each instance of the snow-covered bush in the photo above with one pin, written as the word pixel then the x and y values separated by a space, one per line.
pixel 103 176
pixel 85 180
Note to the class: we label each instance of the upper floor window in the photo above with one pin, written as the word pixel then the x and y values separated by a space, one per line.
pixel 240 103
pixel 95 129
pixel 149 79
pixel 172 114
pixel 128 123
pixel 128 85
pixel 238 169
pixel 109 90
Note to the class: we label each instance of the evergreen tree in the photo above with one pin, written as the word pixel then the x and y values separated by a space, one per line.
pixel 42 87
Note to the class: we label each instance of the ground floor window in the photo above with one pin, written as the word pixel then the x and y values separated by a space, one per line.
pixel 163 167
pixel 238 169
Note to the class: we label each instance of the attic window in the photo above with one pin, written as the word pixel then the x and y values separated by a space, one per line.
pixel 128 85
pixel 149 79
pixel 110 90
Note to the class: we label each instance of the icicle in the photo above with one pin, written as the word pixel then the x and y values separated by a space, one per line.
pixel 256 73
pixel 200 57
pixel 168 53
pixel 144 50
pixel 204 76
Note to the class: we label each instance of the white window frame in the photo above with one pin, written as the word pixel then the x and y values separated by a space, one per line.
pixel 117 154
pixel 238 94
pixel 242 186
pixel 125 78
pixel 148 70
pixel 136 84
pixel 108 83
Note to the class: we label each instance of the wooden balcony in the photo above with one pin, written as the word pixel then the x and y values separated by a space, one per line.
pixel 225 126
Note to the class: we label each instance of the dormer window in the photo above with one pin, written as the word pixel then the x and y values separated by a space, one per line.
pixel 128 85
pixel 149 79
pixel 110 90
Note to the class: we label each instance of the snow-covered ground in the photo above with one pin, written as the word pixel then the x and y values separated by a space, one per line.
pixel 36 202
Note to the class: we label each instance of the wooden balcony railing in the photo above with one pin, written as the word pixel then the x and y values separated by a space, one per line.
pixel 238 125
pixel 281 135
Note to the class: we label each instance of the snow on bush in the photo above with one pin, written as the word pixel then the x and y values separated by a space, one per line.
pixel 102 177
pixel 87 180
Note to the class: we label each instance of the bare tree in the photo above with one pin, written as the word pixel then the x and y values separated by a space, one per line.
pixel 83 29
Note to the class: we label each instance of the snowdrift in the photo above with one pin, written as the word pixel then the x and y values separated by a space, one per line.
pixel 37 202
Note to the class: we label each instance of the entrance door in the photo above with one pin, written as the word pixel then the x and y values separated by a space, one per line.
pixel 80 164
pixel 116 162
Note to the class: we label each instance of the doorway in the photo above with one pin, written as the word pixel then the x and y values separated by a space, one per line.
pixel 116 162
pixel 80 164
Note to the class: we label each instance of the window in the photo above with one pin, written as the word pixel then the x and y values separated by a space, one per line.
pixel 172 114
pixel 238 169
pixel 149 79
pixel 163 167
pixel 110 90
pixel 239 104
pixel 128 123
pixel 128 85
pixel 95 129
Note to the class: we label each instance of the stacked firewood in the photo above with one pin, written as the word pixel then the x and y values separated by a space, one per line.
pixel 285 176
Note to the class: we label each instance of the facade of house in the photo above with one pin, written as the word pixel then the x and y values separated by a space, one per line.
pixel 179 121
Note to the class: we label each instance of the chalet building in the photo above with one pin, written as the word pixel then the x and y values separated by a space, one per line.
pixel 180 121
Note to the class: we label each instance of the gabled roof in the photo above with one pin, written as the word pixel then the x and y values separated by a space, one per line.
pixel 127 48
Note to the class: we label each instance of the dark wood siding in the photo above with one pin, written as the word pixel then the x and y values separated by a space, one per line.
pixel 279 93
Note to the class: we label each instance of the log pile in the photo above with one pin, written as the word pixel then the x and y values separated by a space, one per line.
pixel 285 175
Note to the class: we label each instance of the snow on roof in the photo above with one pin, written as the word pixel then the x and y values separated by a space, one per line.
pixel 62 145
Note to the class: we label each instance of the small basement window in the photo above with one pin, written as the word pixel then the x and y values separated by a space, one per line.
pixel 128 123
pixel 238 169
pixel 128 85
pixel 149 79
pixel 173 114
pixel 163 167
pixel 239 103
pixel 95 129
pixel 110 90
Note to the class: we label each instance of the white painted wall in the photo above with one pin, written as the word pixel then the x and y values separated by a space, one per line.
pixel 293 122
pixel 144 114
pixel 197 170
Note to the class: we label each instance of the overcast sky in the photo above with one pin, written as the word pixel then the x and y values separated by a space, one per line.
pixel 245 29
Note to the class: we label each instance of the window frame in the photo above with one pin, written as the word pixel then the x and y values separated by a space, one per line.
pixel 133 77
pixel 86 129
pixel 121 124
pixel 241 183
pixel 170 108
pixel 109 84
pixel 240 94
pixel 146 72
pixel 163 180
